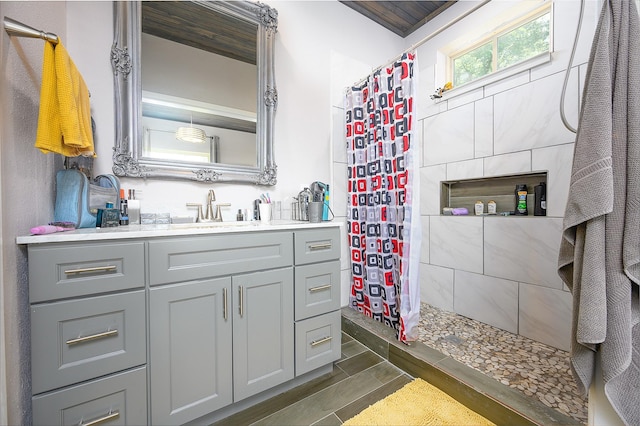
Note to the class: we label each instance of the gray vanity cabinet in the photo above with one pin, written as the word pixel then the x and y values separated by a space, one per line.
pixel 170 329
pixel 219 332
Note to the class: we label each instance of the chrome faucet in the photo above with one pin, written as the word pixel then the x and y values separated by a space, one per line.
pixel 209 216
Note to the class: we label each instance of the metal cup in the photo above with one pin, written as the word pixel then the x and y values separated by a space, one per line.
pixel 315 211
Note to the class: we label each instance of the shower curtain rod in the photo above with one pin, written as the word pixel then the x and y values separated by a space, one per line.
pixel 429 37
pixel 18 29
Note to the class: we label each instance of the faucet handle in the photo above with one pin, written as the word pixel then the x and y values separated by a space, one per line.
pixel 200 217
pixel 218 216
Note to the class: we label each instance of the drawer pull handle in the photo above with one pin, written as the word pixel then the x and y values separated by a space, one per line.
pixel 224 303
pixel 95 269
pixel 241 297
pixel 102 335
pixel 321 341
pixel 314 247
pixel 319 288
pixel 111 416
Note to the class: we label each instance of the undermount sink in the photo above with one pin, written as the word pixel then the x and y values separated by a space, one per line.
pixel 200 225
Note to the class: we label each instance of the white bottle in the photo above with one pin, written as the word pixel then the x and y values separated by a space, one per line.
pixel 479 208
pixel 133 207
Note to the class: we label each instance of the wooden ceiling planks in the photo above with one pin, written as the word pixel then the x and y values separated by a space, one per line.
pixel 400 17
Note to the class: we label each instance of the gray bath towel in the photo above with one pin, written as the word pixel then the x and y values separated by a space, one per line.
pixel 599 256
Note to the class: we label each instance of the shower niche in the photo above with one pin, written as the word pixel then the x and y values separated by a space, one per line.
pixel 501 189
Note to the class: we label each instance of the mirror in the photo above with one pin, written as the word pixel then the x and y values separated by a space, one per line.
pixel 205 67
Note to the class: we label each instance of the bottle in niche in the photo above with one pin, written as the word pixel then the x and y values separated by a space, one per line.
pixel 491 207
pixel 479 208
pixel 521 200
pixel 540 192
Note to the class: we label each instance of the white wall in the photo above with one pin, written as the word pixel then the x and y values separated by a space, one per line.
pixel 26 182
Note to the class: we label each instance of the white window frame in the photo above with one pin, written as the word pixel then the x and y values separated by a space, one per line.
pixel 482 34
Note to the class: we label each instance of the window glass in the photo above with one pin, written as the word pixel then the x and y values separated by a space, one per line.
pixel 473 65
pixel 524 42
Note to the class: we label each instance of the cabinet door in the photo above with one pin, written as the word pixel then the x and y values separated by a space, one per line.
pixel 190 341
pixel 263 334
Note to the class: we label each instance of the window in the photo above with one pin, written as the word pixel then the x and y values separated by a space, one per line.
pixel 514 44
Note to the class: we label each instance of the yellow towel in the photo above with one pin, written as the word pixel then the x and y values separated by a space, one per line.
pixel 64 120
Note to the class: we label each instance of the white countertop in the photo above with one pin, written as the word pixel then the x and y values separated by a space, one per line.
pixel 147 231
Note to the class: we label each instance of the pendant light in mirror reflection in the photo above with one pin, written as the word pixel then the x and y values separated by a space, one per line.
pixel 160 144
pixel 191 134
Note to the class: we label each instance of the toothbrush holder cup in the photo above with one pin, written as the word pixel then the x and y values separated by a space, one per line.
pixel 265 212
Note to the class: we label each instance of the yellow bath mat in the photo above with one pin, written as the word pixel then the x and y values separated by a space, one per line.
pixel 418 403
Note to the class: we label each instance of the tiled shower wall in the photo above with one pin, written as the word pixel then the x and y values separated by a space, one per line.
pixel 499 270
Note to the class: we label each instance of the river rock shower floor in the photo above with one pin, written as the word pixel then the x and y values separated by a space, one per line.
pixel 535 369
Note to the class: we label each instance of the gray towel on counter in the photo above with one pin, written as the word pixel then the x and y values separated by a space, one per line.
pixel 599 257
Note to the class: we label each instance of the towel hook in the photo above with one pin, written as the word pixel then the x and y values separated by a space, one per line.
pixel 13 27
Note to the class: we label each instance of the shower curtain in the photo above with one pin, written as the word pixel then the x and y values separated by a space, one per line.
pixel 383 221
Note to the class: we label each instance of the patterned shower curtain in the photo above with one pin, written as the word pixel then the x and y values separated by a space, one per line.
pixel 383 221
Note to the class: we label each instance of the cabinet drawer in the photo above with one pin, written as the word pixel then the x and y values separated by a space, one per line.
pixel 68 270
pixel 81 339
pixel 317 289
pixel 317 245
pixel 120 399
pixel 318 342
pixel 193 258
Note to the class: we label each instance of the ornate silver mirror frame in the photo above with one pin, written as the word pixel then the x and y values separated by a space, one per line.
pixel 125 57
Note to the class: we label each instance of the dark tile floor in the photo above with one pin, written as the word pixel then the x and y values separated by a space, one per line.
pixel 359 378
